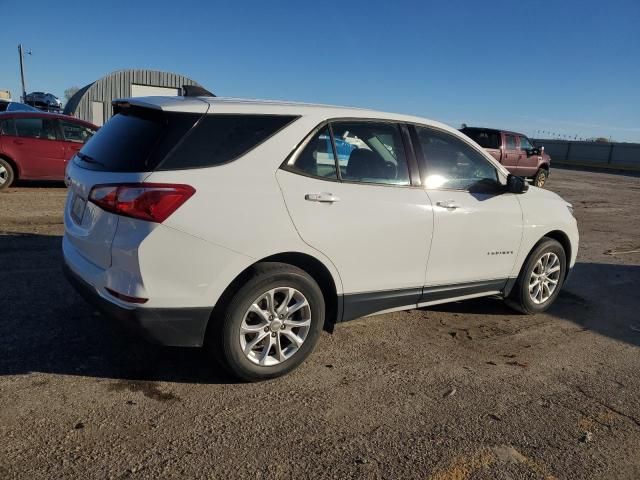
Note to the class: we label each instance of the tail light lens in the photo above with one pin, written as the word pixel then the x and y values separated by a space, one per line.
pixel 153 202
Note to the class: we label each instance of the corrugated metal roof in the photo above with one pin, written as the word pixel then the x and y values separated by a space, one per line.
pixel 118 85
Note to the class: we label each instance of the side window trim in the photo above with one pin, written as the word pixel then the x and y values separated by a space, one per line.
pixel 414 171
pixel 59 130
pixel 420 156
pixel 422 159
pixel 336 160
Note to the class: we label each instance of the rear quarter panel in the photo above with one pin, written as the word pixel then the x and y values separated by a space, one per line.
pixel 239 207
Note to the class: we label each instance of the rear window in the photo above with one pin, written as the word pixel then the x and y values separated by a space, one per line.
pixel 484 138
pixel 145 140
pixel 135 141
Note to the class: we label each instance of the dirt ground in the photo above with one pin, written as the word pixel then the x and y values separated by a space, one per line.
pixel 463 391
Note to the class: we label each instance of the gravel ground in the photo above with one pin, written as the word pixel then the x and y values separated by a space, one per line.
pixel 467 390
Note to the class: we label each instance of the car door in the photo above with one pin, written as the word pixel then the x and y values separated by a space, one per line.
pixel 477 224
pixel 511 155
pixel 38 148
pixel 528 161
pixel 74 135
pixel 360 209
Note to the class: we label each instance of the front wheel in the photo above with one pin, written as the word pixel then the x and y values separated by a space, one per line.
pixel 6 174
pixel 271 324
pixel 541 177
pixel 540 279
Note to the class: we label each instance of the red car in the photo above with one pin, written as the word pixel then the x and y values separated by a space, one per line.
pixel 38 145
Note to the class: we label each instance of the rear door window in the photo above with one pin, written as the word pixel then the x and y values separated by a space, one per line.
pixel 510 142
pixel 41 128
pixel 317 158
pixel 371 152
pixel 7 127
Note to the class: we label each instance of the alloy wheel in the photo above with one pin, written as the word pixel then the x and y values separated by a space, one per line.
pixel 4 175
pixel 544 278
pixel 275 326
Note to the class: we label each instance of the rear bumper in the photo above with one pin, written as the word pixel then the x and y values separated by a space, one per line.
pixel 179 327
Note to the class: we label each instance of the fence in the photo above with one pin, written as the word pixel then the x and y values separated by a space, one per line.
pixel 623 156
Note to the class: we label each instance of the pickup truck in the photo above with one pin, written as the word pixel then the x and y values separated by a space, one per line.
pixel 513 150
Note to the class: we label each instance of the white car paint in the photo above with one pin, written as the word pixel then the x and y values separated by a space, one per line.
pixel 376 238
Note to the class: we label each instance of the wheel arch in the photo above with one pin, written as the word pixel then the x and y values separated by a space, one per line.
pixel 310 264
pixel 557 235
pixel 14 166
pixel 561 238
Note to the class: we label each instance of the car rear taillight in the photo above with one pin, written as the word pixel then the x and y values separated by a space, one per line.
pixel 153 202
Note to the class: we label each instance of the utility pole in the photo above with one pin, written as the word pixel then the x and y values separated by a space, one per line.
pixel 24 88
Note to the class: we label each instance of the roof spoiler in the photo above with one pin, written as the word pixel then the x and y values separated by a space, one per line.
pixel 196 91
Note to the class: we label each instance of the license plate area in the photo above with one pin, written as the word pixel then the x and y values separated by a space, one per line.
pixel 77 208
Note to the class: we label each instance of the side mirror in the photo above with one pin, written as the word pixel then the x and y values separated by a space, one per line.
pixel 537 151
pixel 516 184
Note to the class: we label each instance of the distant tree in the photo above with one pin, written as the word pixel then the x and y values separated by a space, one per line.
pixel 70 92
pixel 602 140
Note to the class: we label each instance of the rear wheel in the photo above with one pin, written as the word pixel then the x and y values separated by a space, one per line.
pixel 270 325
pixel 541 177
pixel 540 279
pixel 6 174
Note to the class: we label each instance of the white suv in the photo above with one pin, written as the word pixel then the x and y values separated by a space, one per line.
pixel 247 226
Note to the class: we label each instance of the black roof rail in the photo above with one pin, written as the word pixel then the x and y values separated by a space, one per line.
pixel 196 91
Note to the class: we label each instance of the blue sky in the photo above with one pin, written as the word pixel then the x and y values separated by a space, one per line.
pixel 570 67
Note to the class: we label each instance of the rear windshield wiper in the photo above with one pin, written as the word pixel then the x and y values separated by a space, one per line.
pixel 86 158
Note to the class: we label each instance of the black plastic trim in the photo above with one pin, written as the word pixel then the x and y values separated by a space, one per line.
pixel 356 305
pixel 511 282
pixel 178 327
pixel 443 292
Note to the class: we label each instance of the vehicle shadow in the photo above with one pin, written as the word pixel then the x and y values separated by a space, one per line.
pixel 45 326
pixel 39 184
pixel 601 297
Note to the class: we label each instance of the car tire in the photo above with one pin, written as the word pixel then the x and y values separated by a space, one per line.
pixel 7 174
pixel 256 338
pixel 534 291
pixel 541 177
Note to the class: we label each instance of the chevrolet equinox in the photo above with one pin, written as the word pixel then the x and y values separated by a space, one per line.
pixel 246 226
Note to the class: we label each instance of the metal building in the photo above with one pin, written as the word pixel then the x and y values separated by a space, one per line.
pixel 93 102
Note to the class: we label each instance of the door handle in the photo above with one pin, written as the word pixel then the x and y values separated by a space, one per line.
pixel 323 197
pixel 448 204
pixel 18 142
